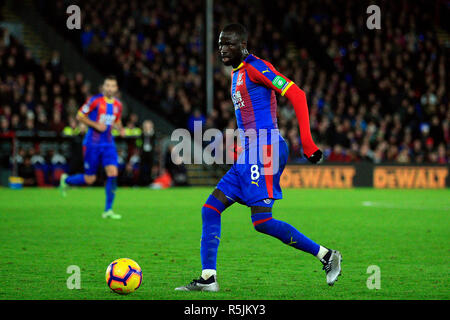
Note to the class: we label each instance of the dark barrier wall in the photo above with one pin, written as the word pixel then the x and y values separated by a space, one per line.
pixel 366 175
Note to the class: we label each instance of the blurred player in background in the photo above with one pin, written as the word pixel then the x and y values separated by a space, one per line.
pixel 100 113
pixel 256 185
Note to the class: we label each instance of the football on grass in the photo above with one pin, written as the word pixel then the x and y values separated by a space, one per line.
pixel 124 276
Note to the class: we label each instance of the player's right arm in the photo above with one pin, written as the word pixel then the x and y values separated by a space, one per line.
pixel 83 112
pixel 265 74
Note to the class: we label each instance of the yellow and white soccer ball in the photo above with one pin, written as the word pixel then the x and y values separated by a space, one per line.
pixel 123 276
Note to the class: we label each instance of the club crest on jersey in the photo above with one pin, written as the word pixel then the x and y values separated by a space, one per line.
pixel 85 108
pixel 240 80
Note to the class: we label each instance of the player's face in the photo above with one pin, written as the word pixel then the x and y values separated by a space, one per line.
pixel 110 87
pixel 230 49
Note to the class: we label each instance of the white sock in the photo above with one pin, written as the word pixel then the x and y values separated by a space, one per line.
pixel 322 252
pixel 206 273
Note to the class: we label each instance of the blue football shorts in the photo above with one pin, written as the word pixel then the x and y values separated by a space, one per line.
pixel 94 155
pixel 255 180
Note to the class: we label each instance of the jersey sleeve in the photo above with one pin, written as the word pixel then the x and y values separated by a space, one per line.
pixel 264 73
pixel 88 106
pixel 119 111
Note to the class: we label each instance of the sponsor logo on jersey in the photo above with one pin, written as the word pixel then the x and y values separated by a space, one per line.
pixel 107 119
pixel 237 100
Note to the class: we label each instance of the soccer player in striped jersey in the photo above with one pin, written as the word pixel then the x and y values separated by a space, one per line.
pixel 255 184
pixel 100 113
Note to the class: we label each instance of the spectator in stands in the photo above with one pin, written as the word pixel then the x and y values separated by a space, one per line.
pixel 26 171
pixel 175 167
pixel 366 155
pixel 131 128
pixel 15 123
pixel 72 128
pixel 42 122
pixel 4 126
pixel 75 156
pixel 147 152
pixel 198 117
pixel 30 129
pixel 442 158
pixel 36 97
pixel 369 92
pixel 127 177
pixel 338 155
pixel 57 125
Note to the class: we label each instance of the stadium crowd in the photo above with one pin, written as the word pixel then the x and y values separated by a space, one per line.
pixel 155 48
pixel 377 96
pixel 39 100
pixel 374 95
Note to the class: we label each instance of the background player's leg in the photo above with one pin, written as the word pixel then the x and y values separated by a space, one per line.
pixel 75 180
pixel 109 162
pixel 110 187
pixel 216 203
pixel 80 179
pixel 91 161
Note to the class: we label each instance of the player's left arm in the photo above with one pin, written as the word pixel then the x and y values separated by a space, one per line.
pixel 118 122
pixel 119 126
pixel 265 74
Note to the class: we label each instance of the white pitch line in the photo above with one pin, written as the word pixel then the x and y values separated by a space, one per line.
pixel 392 206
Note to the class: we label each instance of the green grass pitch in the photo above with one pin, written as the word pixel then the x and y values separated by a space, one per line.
pixel 404 232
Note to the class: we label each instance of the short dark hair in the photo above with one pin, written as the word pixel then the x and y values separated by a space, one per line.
pixel 111 77
pixel 238 29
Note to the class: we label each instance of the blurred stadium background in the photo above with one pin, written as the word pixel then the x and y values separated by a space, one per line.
pixel 378 99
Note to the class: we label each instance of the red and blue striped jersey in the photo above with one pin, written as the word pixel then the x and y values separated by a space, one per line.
pixel 253 86
pixel 104 110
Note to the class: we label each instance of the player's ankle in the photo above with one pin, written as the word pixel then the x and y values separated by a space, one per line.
pixel 322 253
pixel 207 273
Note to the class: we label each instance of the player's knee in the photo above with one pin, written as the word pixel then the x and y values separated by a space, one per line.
pixel 111 171
pixel 262 221
pixel 204 213
pixel 219 195
pixel 90 179
pixel 208 211
pixel 260 227
pixel 212 208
